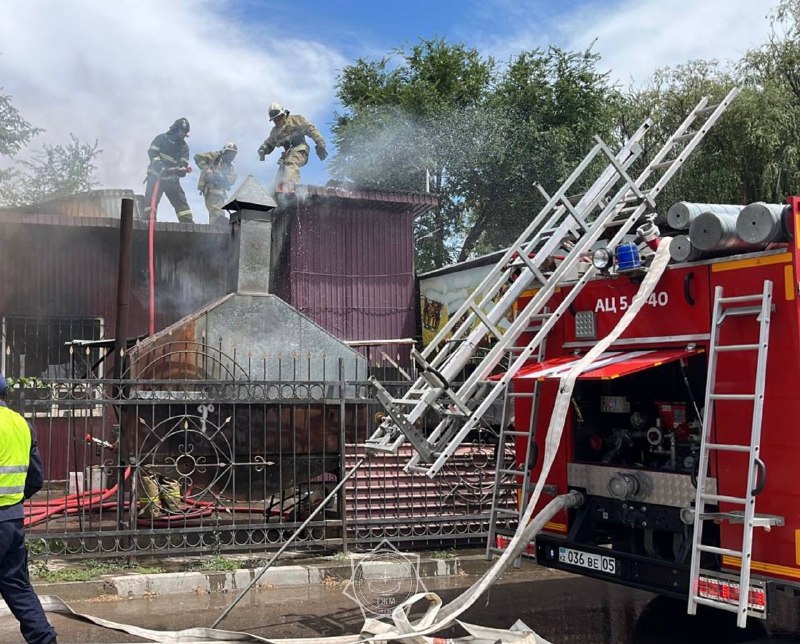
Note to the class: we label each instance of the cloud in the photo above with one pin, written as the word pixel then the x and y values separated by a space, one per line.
pixel 122 72
pixel 636 37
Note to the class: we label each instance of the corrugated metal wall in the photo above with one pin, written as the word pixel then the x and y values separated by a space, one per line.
pixel 350 268
pixel 60 269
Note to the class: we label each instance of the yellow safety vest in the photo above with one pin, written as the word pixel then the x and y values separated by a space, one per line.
pixel 15 454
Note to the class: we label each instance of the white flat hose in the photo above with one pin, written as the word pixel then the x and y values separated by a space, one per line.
pixel 437 618
pixel 526 530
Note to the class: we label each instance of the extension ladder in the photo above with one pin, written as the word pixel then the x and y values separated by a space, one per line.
pixel 614 200
pixel 760 305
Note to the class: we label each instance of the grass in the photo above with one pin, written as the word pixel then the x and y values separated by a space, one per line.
pixel 91 569
pixel 442 554
pixel 216 562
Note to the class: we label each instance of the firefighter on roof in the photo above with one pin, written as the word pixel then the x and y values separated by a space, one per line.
pixel 21 476
pixel 290 132
pixel 169 162
pixel 216 177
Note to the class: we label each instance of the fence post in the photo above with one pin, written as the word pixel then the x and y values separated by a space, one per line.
pixel 342 454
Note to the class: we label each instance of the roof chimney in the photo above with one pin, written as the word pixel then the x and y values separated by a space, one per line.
pixel 251 239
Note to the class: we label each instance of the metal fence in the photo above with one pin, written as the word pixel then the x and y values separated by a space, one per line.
pixel 141 467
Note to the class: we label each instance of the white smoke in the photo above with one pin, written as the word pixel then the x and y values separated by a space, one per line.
pixel 121 72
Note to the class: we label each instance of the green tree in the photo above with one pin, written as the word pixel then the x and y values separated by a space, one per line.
pixel 52 171
pixel 400 129
pixel 15 131
pixel 546 106
pixel 445 118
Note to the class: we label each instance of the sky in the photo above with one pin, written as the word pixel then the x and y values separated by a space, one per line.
pixel 121 72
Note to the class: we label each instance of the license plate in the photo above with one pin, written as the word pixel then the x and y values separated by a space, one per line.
pixel 588 560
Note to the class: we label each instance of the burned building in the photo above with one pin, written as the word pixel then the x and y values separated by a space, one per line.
pixel 343 258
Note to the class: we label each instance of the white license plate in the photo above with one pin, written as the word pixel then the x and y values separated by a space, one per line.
pixel 600 563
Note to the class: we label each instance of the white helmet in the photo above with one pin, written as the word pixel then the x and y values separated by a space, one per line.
pixel 276 110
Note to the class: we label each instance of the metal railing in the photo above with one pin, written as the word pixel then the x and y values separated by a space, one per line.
pixel 183 465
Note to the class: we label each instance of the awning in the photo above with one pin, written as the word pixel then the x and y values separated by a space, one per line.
pixel 607 366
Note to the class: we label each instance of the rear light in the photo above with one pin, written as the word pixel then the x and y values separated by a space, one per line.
pixel 504 542
pixel 727 591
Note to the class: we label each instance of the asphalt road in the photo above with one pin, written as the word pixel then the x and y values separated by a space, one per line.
pixel 560 609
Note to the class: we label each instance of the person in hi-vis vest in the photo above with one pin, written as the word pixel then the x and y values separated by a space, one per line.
pixel 21 477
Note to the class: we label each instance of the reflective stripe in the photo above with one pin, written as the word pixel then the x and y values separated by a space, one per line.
pixel 168 157
pixel 17 489
pixel 13 469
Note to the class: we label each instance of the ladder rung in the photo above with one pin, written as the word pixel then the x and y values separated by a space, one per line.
pixel 759 520
pixel 731 608
pixel 515 432
pixel 736 299
pixel 512 472
pixel 663 164
pixel 707 110
pixel 728 448
pixel 732 396
pixel 507 512
pixel 737 347
pixel 404 401
pixel 723 498
pixel 720 551
pixel 573 199
pixel 521 394
pixel 416 469
pixel 683 137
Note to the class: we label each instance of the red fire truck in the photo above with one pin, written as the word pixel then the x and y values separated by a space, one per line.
pixel 717 339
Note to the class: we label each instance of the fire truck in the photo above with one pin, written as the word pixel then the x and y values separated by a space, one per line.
pixel 679 437
pixel 653 405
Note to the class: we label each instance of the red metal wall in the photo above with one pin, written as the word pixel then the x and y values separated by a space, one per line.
pixel 350 268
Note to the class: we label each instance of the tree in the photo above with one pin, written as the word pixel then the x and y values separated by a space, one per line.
pixel 400 129
pixel 52 171
pixel 481 137
pixel 547 105
pixel 15 131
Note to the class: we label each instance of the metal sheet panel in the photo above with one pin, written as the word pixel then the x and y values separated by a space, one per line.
pixel 350 268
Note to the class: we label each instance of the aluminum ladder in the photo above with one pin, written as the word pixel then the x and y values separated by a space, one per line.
pixel 613 200
pixel 498 512
pixel 760 305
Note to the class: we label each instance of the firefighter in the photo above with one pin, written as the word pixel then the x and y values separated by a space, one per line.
pixel 217 175
pixel 290 132
pixel 169 162
pixel 21 476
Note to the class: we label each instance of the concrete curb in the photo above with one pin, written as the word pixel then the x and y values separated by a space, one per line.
pixel 134 586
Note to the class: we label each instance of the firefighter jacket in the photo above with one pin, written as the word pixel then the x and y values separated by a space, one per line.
pixel 223 175
pixel 20 465
pixel 169 155
pixel 292 132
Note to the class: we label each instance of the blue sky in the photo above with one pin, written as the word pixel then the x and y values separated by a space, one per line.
pixel 120 72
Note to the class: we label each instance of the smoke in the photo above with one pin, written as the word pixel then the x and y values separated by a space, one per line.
pixel 122 72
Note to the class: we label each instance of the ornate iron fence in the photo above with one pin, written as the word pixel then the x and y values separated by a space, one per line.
pixel 234 462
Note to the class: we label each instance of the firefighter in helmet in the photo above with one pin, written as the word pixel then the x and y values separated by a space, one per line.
pixel 217 175
pixel 169 162
pixel 290 132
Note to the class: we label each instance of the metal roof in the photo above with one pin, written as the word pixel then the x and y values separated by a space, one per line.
pixel 416 203
pixel 11 216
